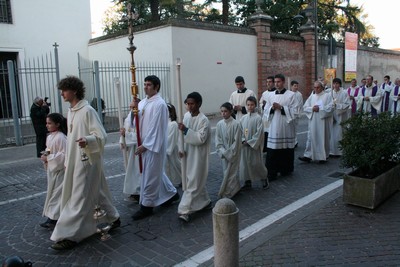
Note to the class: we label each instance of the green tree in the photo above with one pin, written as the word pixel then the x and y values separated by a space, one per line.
pixel 334 16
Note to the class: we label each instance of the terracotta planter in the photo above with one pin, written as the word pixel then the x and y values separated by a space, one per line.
pixel 369 193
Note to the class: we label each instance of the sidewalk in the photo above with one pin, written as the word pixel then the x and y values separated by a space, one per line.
pixel 300 221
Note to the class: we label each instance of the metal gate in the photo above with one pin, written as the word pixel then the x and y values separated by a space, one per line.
pixel 21 83
pixel 101 76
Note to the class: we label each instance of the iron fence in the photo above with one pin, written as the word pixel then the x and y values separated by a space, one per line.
pixel 31 78
pixel 105 74
pixel 39 77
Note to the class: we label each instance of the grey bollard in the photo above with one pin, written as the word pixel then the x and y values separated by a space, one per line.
pixel 226 233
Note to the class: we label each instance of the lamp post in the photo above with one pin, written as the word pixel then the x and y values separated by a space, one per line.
pixel 311 12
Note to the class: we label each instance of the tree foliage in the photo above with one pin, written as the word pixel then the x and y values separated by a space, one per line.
pixel 335 17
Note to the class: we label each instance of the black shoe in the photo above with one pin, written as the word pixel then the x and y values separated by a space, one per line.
pixel 135 198
pixel 115 224
pixel 142 213
pixel 170 201
pixel 64 245
pixel 322 161
pixel 305 159
pixel 208 207
pixel 265 183
pixel 283 174
pixel 50 224
pixel 247 185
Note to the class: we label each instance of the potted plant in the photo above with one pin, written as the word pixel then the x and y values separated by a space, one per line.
pixel 371 147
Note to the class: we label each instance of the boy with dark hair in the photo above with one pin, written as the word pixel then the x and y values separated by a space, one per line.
pixel 238 98
pixel 197 133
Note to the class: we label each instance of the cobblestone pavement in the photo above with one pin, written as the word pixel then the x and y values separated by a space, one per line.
pixel 322 232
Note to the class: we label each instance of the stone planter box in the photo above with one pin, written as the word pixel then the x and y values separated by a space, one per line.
pixel 369 193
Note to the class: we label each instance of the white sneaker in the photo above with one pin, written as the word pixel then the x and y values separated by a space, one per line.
pixel 184 217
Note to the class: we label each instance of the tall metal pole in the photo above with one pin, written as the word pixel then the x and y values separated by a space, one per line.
pixel 316 38
pixel 14 102
pixel 134 87
pixel 57 75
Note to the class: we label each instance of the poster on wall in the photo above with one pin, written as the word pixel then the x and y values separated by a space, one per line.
pixel 350 54
pixel 329 75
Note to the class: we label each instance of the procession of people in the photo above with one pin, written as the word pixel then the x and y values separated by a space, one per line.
pixel 73 157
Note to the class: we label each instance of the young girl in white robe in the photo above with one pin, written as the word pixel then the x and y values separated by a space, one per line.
pixel 252 167
pixel 53 158
pixel 173 163
pixel 228 137
pixel 128 141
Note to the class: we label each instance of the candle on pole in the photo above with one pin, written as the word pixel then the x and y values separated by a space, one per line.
pixel 180 119
pixel 120 119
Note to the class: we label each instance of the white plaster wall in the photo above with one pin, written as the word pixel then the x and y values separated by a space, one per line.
pixel 201 51
pixel 38 24
pixel 151 46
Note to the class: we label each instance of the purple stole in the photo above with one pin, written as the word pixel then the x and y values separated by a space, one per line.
pixel 353 104
pixel 374 90
pixel 396 93
pixel 385 102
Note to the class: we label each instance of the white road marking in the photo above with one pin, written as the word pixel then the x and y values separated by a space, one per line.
pixel 44 192
pixel 208 253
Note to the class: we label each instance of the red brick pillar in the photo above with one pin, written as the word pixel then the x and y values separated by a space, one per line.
pixel 261 23
pixel 308 34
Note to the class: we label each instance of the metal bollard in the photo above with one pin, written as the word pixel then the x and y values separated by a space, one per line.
pixel 226 233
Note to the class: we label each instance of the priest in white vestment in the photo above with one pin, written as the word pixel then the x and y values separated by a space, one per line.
pixel 386 87
pixel 395 97
pixel 341 105
pixel 281 110
pixel 156 188
pixel 84 184
pixel 299 106
pixel 238 98
pixel 261 106
pixel 369 98
pixel 352 92
pixel 318 109
pixel 197 139
pixel 128 141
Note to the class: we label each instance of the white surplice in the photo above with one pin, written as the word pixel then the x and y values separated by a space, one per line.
pixel 228 139
pixel 197 150
pixel 281 133
pixel 374 101
pixel 84 184
pixel 155 188
pixel 386 89
pixel 319 125
pixel 394 97
pixel 56 144
pixel 133 176
pixel 299 105
pixel 265 95
pixel 342 105
pixel 353 92
pixel 173 163
pixel 251 163
pixel 239 98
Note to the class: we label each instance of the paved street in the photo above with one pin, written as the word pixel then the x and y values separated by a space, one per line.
pixel 299 221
